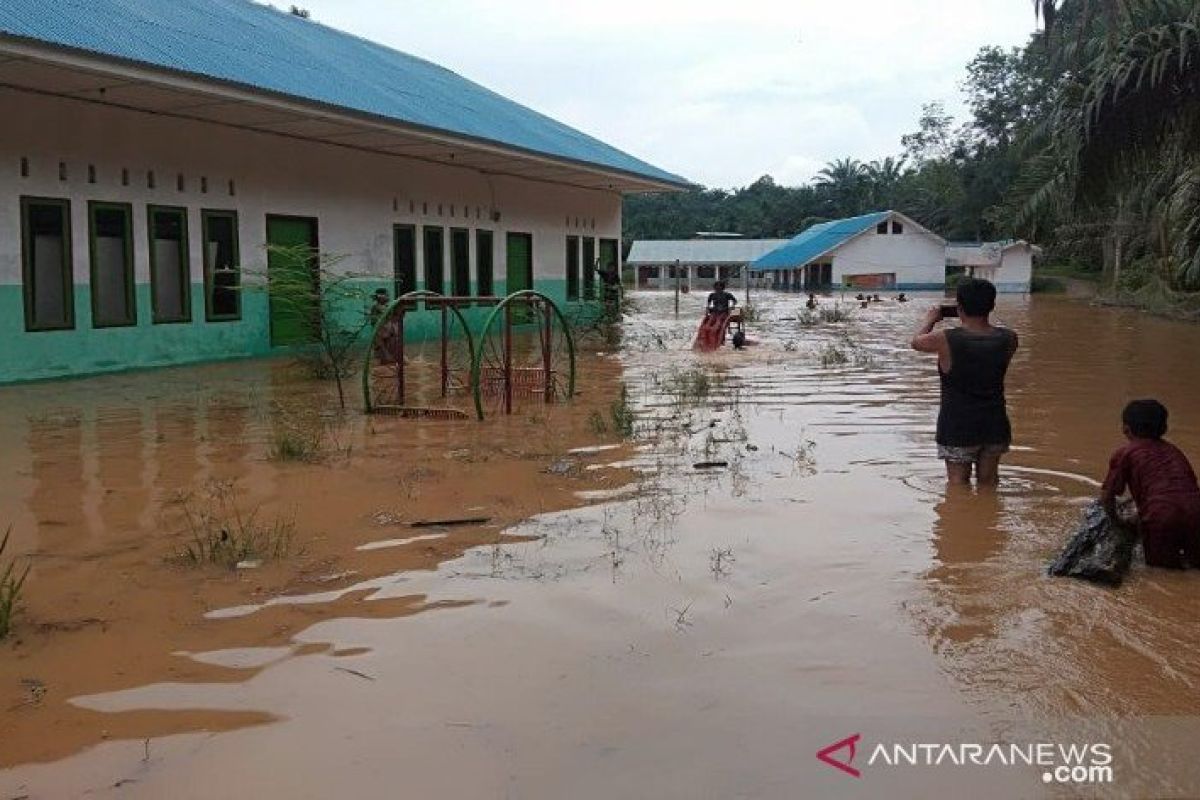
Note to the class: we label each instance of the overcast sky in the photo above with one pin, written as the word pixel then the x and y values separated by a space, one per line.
pixel 719 92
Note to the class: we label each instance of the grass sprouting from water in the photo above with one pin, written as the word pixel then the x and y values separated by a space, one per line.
pixel 222 534
pixel 833 356
pixel 620 419
pixel 10 588
pixel 834 314
pixel 294 445
pixel 688 386
pixel 823 315
pixel 622 415
pixel 597 423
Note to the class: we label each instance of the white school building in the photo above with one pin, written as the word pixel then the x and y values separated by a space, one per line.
pixel 698 263
pixel 152 150
pixel 882 251
pixel 879 251
pixel 1008 264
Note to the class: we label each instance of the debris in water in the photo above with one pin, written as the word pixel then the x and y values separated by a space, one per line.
pixel 449 523
pixel 1100 551
pixel 356 673
pixel 710 465
pixel 250 563
pixel 564 466
pixel 385 518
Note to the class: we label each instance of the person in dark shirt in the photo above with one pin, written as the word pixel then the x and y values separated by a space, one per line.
pixel 1163 485
pixel 719 300
pixel 711 335
pixel 973 429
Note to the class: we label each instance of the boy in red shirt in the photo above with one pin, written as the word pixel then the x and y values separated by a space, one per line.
pixel 1163 485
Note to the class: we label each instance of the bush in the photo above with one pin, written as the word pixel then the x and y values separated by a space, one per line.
pixel 1042 284
pixel 1135 276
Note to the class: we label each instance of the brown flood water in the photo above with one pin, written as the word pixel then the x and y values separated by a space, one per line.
pixel 627 626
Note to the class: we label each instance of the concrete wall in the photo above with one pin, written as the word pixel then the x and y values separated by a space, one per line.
pixel 1016 270
pixel 356 197
pixel 918 259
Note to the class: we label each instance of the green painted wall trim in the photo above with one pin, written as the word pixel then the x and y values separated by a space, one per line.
pixel 47 355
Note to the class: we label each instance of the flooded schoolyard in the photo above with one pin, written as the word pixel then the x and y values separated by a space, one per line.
pixel 625 624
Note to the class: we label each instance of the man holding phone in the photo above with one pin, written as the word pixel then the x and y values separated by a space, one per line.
pixel 973 430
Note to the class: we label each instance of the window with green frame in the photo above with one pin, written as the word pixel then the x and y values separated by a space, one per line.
pixel 222 270
pixel 572 262
pixel 110 242
pixel 48 285
pixel 435 258
pixel 589 268
pixel 404 267
pixel 460 262
pixel 485 259
pixel 170 277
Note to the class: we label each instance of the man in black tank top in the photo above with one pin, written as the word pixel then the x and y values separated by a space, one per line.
pixel 973 431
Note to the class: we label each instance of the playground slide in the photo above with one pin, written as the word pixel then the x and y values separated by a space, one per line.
pixel 711 334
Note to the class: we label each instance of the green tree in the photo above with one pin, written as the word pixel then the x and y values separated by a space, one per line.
pixel 934 138
pixel 1121 146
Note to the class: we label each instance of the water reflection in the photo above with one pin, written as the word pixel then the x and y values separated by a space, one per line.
pixel 967 533
pixel 55 443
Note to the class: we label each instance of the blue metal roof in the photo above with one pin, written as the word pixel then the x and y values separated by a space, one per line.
pixel 817 241
pixel 255 46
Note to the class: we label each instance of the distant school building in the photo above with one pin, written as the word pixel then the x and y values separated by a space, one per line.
pixel 1008 264
pixel 151 151
pixel 882 251
pixel 694 263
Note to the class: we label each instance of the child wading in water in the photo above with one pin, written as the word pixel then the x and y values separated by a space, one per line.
pixel 1163 485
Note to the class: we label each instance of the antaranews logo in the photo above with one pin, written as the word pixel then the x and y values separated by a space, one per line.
pixel 850 744
pixel 1073 763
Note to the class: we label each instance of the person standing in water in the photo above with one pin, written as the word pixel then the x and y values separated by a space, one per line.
pixel 719 300
pixel 973 430
pixel 711 334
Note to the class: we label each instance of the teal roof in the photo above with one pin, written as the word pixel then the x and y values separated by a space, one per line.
pixel 817 241
pixel 251 45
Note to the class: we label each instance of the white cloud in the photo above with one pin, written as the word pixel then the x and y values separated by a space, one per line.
pixel 719 92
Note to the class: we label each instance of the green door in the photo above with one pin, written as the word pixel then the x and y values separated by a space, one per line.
pixel 295 284
pixel 520 262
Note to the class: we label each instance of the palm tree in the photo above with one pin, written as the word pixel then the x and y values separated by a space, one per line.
pixel 1122 144
pixel 1074 15
pixel 884 177
pixel 844 183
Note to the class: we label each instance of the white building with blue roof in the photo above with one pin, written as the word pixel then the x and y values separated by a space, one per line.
pixel 153 150
pixel 884 250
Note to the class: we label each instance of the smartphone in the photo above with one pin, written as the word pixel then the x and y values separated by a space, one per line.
pixel 949 311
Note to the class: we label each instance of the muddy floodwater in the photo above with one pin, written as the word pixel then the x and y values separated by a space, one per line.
pixel 624 625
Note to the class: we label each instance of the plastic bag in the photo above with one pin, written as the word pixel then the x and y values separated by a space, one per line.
pixel 1100 551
